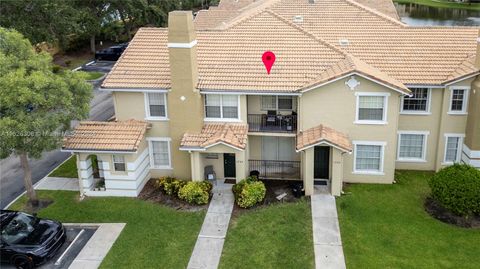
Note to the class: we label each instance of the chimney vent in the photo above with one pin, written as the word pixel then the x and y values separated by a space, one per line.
pixel 344 42
pixel 298 18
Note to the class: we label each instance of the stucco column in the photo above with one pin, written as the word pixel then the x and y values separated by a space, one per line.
pixel 308 164
pixel 472 134
pixel 85 172
pixel 337 172
pixel 196 166
pixel 240 163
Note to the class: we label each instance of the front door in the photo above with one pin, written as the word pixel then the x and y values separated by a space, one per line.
pixel 321 162
pixel 229 164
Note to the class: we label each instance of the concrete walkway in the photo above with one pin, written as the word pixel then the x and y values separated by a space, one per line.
pixel 97 248
pixel 58 184
pixel 209 246
pixel 327 242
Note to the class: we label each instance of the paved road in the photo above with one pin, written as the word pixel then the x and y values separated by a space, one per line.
pixel 11 173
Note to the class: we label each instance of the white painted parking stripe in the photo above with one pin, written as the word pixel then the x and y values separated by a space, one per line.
pixel 59 260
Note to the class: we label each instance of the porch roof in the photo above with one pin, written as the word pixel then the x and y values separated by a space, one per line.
pixel 323 134
pixel 106 136
pixel 230 134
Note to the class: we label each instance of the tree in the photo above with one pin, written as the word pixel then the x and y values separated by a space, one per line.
pixel 41 20
pixel 36 104
pixel 93 15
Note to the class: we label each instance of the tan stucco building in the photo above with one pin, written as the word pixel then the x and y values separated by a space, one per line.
pixel 350 98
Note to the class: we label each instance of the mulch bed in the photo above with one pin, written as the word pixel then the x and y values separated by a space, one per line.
pixel 437 211
pixel 152 194
pixel 274 189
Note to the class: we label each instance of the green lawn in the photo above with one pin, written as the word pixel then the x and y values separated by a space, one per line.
pixel 155 236
pixel 442 4
pixel 94 75
pixel 277 236
pixel 386 226
pixel 67 169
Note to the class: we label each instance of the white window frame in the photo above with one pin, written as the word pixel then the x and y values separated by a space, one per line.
pixel 418 112
pixel 382 157
pixel 460 148
pixel 466 94
pixel 114 162
pixel 385 96
pixel 424 148
pixel 276 103
pixel 222 119
pixel 147 108
pixel 150 152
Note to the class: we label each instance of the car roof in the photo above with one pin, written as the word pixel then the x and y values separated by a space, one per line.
pixel 6 215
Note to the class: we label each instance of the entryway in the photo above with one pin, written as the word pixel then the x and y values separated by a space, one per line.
pixel 229 167
pixel 321 168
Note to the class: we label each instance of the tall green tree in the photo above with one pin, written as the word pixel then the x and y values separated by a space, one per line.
pixel 36 104
pixel 41 20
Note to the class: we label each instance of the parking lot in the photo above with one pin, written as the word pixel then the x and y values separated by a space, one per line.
pixel 77 237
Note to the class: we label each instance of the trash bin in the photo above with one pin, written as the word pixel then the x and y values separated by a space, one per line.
pixel 297 189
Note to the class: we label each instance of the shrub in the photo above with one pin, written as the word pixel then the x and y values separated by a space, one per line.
pixel 457 188
pixel 206 186
pixel 194 193
pixel 170 185
pixel 249 192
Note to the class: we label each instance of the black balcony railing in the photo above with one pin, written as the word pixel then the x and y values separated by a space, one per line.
pixel 276 169
pixel 272 123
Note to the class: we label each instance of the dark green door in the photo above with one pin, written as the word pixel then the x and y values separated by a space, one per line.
pixel 229 164
pixel 321 162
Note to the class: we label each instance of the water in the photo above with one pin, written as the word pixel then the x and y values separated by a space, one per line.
pixel 418 15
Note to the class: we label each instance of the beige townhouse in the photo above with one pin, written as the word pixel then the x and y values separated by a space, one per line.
pixel 353 95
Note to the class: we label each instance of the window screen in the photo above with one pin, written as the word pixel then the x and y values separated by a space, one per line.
pixel 371 108
pixel 418 101
pixel 368 157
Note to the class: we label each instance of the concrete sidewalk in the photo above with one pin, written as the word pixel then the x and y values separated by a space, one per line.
pixel 326 233
pixel 209 246
pixel 58 184
pixel 97 248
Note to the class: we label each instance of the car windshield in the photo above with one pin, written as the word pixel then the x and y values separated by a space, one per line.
pixel 19 229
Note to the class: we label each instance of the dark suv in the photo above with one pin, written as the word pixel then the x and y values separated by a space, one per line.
pixel 111 54
pixel 27 241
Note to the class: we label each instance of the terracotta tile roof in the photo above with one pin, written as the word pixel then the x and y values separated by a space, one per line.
pixel 144 64
pixel 229 57
pixel 383 6
pixel 321 133
pixel 412 55
pixel 106 136
pixel 233 134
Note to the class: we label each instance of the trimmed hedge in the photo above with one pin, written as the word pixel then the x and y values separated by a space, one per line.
pixel 457 188
pixel 194 193
pixel 249 192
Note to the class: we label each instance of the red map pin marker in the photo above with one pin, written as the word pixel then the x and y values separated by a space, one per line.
pixel 268 59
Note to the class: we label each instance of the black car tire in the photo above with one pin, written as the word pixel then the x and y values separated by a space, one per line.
pixel 22 262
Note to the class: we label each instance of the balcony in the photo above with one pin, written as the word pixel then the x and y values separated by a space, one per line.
pixel 276 169
pixel 272 123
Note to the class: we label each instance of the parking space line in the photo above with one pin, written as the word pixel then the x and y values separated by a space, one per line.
pixel 59 260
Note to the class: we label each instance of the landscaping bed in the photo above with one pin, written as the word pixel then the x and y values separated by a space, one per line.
pixel 153 194
pixel 386 226
pixel 274 189
pixel 439 212
pixel 273 236
pixel 155 236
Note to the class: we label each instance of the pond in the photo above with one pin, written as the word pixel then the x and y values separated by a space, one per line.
pixel 419 15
